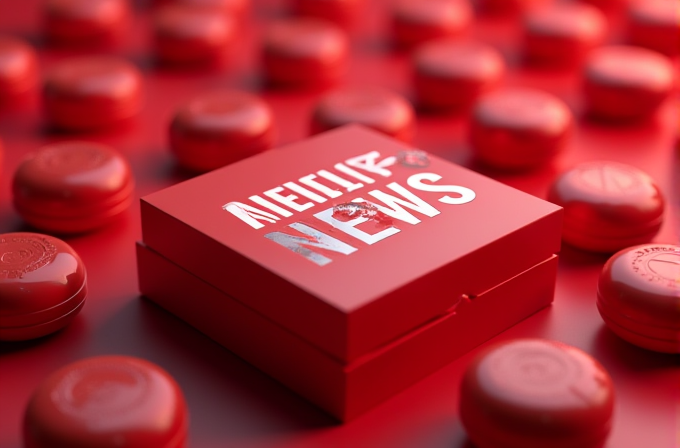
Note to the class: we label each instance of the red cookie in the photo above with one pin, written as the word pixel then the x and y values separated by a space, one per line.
pixel 638 296
pixel 91 93
pixel 342 12
pixel 562 33
pixel 655 24
pixel 608 206
pixel 304 52
pixel 18 69
pixel 375 108
pixel 72 187
pixel 451 74
pixel 42 285
pixel 518 129
pixel 418 21
pixel 534 393
pixel 219 128
pixel 185 34
pixel 626 83
pixel 107 402
pixel 84 22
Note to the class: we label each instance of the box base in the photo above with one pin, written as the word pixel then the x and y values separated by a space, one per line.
pixel 343 390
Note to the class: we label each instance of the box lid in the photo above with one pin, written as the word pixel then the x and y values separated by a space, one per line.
pixel 276 232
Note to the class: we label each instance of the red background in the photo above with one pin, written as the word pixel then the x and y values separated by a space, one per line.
pixel 230 402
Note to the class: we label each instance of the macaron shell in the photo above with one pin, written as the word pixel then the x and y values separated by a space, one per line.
pixel 84 21
pixel 37 272
pixel 39 330
pixel 107 402
pixel 75 172
pixel 376 108
pixel 92 92
pixel 639 339
pixel 304 52
pixel 643 284
pixel 18 68
pixel 536 393
pixel 418 21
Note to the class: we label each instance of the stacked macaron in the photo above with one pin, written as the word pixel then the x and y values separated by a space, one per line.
pixel 72 187
pixel 638 296
pixel 608 206
pixel 42 285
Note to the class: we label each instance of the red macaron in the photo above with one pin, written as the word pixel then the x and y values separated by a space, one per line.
pixel 43 285
pixel 18 69
pixel 638 296
pixel 72 187
pixel 418 21
pixel 84 22
pixel 625 83
pixel 608 206
pixel 562 34
pixel 519 128
pixel 654 24
pixel 450 74
pixel 376 108
pixel 535 393
pixel 107 402
pixel 304 52
pixel 218 128
pixel 92 93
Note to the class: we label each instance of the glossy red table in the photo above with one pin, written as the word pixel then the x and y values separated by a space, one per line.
pixel 230 402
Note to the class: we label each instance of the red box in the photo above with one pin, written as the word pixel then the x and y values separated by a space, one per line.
pixel 348 313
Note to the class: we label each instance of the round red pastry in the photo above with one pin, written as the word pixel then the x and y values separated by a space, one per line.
pixel 18 68
pixel 375 108
pixel 655 24
pixel 72 187
pixel 608 206
pixel 84 22
pixel 638 296
pixel 506 7
pixel 534 393
pixel 107 402
pixel 219 128
pixel 562 33
pixel 451 74
pixel 516 129
pixel 90 93
pixel 185 34
pixel 304 52
pixel 341 12
pixel 42 285
pixel 626 83
pixel 417 21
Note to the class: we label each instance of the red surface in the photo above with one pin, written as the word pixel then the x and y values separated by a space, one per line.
pixel 638 292
pixel 231 402
pixel 107 402
pixel 533 393
pixel 346 390
pixel 42 285
pixel 220 127
pixel 608 206
pixel 72 187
